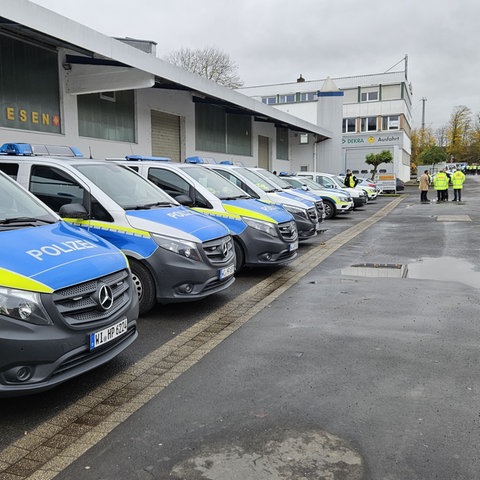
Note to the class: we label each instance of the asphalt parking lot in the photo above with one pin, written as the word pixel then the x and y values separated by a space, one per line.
pixel 359 361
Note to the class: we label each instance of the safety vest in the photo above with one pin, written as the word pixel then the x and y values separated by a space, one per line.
pixel 349 181
pixel 440 181
pixel 457 179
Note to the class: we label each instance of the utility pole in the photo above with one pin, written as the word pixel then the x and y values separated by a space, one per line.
pixel 423 99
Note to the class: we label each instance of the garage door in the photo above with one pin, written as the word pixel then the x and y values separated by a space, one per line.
pixel 165 135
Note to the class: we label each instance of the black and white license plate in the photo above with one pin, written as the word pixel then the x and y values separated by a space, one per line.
pixel 227 272
pixel 293 246
pixel 108 334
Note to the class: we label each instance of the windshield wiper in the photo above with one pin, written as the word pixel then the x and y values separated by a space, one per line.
pixel 23 221
pixel 235 198
pixel 148 206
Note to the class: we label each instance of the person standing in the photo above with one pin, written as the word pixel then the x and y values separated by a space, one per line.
pixel 440 184
pixel 351 180
pixel 457 179
pixel 423 186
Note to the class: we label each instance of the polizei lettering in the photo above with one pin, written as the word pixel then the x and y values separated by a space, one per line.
pixel 60 248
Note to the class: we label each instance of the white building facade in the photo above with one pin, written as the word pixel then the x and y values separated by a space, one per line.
pixel 67 84
pixel 376 115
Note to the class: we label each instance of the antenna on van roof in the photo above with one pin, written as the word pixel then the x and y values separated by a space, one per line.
pixel 90 150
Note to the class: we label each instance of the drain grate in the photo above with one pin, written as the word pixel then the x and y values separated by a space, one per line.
pixel 392 270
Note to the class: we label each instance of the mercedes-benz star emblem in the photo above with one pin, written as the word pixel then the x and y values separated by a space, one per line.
pixel 105 297
pixel 224 249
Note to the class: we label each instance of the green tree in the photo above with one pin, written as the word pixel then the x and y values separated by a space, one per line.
pixel 375 159
pixel 209 63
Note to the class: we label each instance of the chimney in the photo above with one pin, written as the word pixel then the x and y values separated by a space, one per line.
pixel 300 79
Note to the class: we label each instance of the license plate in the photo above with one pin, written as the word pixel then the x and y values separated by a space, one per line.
pixel 293 246
pixel 317 227
pixel 107 334
pixel 227 271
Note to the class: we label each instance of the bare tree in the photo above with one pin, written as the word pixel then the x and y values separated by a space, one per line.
pixel 208 63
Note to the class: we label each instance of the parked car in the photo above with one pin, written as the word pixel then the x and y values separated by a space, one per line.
pixel 328 180
pixel 175 254
pixel 335 202
pixel 264 234
pixel 67 300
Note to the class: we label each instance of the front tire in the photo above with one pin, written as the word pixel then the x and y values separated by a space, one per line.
pixel 144 286
pixel 239 256
pixel 330 210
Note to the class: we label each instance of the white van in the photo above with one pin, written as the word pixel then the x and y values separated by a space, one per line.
pixel 175 253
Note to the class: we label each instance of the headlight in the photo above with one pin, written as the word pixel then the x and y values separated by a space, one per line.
pixel 266 227
pixel 181 247
pixel 293 209
pixel 24 306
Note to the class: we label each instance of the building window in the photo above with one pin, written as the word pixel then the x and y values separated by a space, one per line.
pixel 307 96
pixel 269 100
pixel 368 124
pixel 282 143
pixel 348 125
pixel 369 97
pixel 290 98
pixel 218 131
pixel 391 123
pixel 108 120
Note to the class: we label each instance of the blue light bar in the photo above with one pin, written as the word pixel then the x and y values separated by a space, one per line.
pixel 142 158
pixel 16 149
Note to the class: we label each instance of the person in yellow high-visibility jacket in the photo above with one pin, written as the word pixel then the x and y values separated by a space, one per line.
pixel 440 184
pixel 457 179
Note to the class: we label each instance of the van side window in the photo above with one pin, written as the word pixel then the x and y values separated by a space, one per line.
pixel 56 188
pixel 175 185
pixel 11 169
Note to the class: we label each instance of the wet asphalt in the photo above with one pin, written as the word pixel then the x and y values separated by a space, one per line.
pixel 349 374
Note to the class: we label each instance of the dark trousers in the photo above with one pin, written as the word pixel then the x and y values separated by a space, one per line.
pixel 423 195
pixel 442 195
pixel 457 194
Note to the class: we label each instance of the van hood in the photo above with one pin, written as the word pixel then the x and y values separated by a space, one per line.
pixel 178 221
pixel 50 257
pixel 253 208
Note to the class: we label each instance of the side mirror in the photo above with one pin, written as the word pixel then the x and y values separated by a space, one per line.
pixel 184 200
pixel 73 210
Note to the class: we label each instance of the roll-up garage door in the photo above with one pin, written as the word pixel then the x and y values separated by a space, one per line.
pixel 166 135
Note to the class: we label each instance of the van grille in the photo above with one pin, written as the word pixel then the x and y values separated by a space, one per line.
pixel 219 251
pixel 288 230
pixel 312 214
pixel 320 209
pixel 79 305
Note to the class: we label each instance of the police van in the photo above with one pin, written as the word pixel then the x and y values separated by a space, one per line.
pixel 67 300
pixel 264 234
pixel 302 210
pixel 175 253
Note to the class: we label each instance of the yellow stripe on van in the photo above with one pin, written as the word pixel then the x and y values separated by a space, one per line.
pixel 243 212
pixel 11 279
pixel 108 227
pixel 216 213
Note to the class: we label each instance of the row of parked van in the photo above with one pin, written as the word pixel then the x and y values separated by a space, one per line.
pixel 71 290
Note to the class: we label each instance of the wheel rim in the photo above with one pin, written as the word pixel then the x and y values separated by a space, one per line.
pixel 137 285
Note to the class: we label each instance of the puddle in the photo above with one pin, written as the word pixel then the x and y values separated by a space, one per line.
pixel 442 269
pixel 445 268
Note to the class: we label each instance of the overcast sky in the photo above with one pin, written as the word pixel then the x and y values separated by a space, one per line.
pixel 273 41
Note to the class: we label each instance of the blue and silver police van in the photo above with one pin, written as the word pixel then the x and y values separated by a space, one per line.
pixel 175 254
pixel 67 300
pixel 264 234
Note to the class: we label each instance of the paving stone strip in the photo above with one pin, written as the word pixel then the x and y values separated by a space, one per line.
pixel 55 444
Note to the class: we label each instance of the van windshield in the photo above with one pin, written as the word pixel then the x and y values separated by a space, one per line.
pixel 126 187
pixel 259 181
pixel 216 184
pixel 17 207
